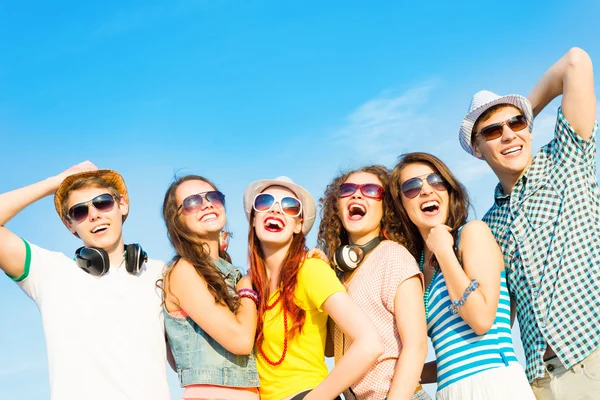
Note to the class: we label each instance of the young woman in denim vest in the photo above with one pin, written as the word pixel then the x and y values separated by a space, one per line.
pixel 210 327
pixel 358 217
pixel 296 297
pixel 466 298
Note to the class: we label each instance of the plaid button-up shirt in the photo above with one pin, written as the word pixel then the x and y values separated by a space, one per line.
pixel 548 228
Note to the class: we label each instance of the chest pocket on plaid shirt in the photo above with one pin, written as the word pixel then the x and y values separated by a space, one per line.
pixel 543 206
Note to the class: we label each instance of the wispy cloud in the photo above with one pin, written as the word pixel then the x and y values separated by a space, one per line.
pixel 471 169
pixel 384 126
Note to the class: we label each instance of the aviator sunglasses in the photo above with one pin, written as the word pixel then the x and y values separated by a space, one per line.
pixel 412 187
pixel 290 206
pixel 103 203
pixel 370 190
pixel 193 203
pixel 494 131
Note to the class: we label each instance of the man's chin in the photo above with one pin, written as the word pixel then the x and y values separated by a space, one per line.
pixel 105 243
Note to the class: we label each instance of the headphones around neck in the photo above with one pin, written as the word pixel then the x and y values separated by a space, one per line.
pixel 347 258
pixel 95 261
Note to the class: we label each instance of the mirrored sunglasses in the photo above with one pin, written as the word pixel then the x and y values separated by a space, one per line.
pixel 290 206
pixel 192 204
pixel 412 187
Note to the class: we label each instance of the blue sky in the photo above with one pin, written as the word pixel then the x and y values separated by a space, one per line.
pixel 241 91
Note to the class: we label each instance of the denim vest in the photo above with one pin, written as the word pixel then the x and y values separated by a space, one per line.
pixel 202 360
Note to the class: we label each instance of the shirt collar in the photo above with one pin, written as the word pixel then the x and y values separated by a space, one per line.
pixel 499 197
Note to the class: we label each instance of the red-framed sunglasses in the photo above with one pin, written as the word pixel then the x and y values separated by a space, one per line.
pixel 370 190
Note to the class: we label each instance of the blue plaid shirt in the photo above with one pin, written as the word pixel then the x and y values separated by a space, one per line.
pixel 548 228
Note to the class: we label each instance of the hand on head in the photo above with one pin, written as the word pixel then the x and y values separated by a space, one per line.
pixel 85 166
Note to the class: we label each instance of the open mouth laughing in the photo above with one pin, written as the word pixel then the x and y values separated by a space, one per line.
pixel 430 207
pixel 356 211
pixel 274 224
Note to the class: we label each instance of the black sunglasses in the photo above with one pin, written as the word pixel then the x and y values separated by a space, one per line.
pixel 412 187
pixel 193 203
pixel 103 203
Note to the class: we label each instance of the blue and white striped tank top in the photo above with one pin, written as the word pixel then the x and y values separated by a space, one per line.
pixel 459 351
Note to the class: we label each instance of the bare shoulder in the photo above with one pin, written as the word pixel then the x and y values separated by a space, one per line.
pixel 476 234
pixel 475 227
pixel 183 270
pixel 477 243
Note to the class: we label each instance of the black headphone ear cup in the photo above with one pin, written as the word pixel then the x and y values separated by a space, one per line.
pixel 92 260
pixel 135 258
pixel 347 258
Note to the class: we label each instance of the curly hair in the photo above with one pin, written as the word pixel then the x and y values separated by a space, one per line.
pixel 332 233
pixel 458 209
pixel 193 248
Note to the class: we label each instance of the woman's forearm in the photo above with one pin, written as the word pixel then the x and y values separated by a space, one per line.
pixel 477 311
pixel 355 363
pixel 407 375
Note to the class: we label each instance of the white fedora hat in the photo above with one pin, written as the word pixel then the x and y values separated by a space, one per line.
pixel 309 210
pixel 480 103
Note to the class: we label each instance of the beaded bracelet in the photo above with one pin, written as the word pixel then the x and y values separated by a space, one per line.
pixel 457 304
pixel 249 291
pixel 249 296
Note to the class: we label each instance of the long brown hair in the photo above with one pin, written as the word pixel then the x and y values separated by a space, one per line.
pixel 332 233
pixel 288 280
pixel 194 248
pixel 458 209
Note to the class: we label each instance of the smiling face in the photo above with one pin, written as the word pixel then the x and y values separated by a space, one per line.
pixel 430 207
pixel 509 155
pixel 209 219
pixel 274 228
pixel 361 216
pixel 98 229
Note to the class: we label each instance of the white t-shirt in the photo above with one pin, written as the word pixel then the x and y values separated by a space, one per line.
pixel 104 335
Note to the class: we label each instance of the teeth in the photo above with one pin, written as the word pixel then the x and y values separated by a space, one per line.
pixel 429 204
pixel 512 150
pixel 275 222
pixel 358 207
pixel 96 229
pixel 208 217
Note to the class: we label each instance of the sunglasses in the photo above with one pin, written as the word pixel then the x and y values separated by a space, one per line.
pixel 290 206
pixel 103 203
pixel 370 190
pixel 193 203
pixel 412 187
pixel 494 131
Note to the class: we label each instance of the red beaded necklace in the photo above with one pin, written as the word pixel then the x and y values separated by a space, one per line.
pixel 285 337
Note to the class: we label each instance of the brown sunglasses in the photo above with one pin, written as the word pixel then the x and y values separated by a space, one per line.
pixel 494 131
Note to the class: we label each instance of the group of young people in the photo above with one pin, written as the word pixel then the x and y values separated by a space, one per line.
pixel 396 261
